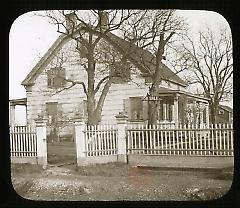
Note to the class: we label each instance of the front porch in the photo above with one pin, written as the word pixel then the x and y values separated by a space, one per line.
pixel 174 107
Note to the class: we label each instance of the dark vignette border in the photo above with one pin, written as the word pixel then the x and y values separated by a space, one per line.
pixel 14 8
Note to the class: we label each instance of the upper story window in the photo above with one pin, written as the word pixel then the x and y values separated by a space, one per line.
pixel 121 71
pixel 56 77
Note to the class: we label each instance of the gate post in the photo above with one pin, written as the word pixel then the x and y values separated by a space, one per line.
pixel 80 142
pixel 122 141
pixel 41 141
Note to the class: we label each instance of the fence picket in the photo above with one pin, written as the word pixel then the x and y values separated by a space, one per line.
pixel 150 138
pixel 22 139
pixel 231 138
pixel 227 135
pixel 160 140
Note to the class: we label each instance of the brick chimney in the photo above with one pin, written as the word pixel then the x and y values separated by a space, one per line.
pixel 103 20
pixel 71 21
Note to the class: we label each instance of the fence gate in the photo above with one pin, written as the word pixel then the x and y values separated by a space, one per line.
pixel 61 149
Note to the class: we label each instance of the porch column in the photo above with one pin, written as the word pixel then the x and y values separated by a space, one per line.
pixel 41 131
pixel 207 114
pixel 175 110
pixel 201 115
pixel 12 115
pixel 26 114
pixel 122 141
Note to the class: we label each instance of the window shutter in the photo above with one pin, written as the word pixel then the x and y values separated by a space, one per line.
pixel 127 107
pixel 62 75
pixel 50 78
pixel 59 109
pixel 83 108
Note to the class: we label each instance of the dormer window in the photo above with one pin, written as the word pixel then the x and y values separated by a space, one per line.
pixel 56 77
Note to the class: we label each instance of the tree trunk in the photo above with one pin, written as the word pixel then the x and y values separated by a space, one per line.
pixel 99 107
pixel 156 79
pixel 213 110
pixel 92 119
pixel 152 113
pixel 90 91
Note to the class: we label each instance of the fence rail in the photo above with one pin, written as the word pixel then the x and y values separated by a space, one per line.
pixel 216 140
pixel 23 141
pixel 100 140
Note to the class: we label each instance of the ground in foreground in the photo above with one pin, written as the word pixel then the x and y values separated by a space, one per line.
pixel 116 181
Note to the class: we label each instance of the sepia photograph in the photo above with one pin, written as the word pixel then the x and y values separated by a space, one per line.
pixel 121 105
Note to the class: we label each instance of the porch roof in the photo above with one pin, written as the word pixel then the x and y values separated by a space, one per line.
pixel 19 101
pixel 166 91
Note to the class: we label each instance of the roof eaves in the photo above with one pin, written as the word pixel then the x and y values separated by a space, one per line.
pixel 30 77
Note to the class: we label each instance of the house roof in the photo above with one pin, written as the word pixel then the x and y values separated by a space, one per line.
pixel 143 59
pixel 44 60
pixel 227 108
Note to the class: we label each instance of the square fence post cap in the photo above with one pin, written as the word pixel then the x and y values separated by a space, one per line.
pixel 78 119
pixel 121 117
pixel 41 120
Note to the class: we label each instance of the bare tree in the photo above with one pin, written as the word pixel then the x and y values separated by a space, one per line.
pixel 96 55
pixel 153 30
pixel 148 30
pixel 210 65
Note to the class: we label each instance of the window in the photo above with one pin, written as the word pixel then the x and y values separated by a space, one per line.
pixel 52 112
pixel 55 77
pixel 135 108
pixel 165 109
pixel 121 72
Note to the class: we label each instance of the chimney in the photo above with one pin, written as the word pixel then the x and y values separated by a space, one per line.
pixel 71 21
pixel 103 20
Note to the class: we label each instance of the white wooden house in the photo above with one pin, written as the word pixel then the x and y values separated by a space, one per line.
pixel 176 104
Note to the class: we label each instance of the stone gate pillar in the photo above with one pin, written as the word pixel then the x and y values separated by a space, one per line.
pixel 122 141
pixel 41 132
pixel 80 141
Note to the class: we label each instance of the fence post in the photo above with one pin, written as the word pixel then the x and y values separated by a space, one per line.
pixel 41 132
pixel 80 141
pixel 122 141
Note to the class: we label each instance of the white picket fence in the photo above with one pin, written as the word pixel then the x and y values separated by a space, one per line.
pixel 23 141
pixel 215 140
pixel 100 140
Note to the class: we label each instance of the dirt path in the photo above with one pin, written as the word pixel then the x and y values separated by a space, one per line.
pixel 64 183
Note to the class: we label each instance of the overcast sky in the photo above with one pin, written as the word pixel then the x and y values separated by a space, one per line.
pixel 31 36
